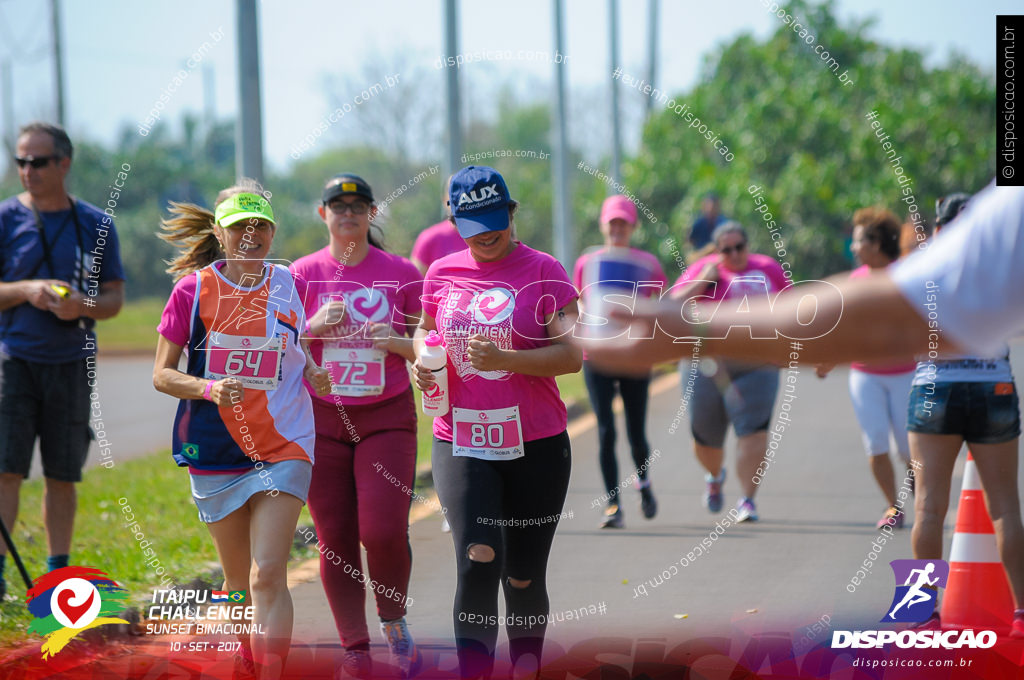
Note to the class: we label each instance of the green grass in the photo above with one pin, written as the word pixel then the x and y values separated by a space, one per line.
pixel 157 491
pixel 133 329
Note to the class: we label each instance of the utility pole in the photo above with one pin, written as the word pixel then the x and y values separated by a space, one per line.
pixel 652 50
pixel 561 206
pixel 209 98
pixel 249 131
pixel 58 64
pixel 451 46
pixel 7 94
pixel 613 38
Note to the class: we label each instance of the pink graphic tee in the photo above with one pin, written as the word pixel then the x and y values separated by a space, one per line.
pixel 507 301
pixel 384 288
pixel 763 274
pixel 435 242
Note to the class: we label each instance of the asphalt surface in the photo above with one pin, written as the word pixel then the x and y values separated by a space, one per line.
pixel 818 505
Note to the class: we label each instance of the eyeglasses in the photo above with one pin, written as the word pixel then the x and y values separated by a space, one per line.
pixel 355 207
pixel 728 250
pixel 35 161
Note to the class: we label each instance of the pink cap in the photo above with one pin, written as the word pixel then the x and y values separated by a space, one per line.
pixel 618 207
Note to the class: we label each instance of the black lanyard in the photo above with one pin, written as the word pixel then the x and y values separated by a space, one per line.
pixel 48 247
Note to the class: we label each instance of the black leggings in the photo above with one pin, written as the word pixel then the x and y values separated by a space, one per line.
pixel 488 503
pixel 601 389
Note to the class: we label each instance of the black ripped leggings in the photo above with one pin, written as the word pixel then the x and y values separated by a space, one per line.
pixel 513 507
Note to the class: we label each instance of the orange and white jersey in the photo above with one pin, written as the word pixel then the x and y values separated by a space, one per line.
pixel 249 331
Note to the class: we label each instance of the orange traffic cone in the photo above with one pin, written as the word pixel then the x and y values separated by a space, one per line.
pixel 977 592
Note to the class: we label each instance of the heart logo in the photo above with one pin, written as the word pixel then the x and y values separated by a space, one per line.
pixel 74 613
pixel 75 603
pixel 368 305
pixel 432 391
pixel 494 305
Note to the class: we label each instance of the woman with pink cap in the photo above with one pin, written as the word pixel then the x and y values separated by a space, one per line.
pixel 618 222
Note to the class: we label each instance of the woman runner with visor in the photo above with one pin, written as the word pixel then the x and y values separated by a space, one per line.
pixel 244 426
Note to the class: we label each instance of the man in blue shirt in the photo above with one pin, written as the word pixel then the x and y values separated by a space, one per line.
pixel 60 270
pixel 710 217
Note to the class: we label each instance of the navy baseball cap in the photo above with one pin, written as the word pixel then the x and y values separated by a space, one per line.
pixel 479 200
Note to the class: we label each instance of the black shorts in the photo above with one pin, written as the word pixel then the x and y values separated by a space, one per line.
pixel 50 401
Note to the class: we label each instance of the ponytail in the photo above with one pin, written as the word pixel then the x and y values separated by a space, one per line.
pixel 190 230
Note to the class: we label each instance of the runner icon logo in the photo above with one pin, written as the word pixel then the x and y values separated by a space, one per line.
pixel 917 584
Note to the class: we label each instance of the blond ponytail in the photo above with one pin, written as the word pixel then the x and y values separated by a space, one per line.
pixel 190 230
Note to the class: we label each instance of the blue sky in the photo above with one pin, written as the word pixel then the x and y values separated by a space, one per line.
pixel 121 55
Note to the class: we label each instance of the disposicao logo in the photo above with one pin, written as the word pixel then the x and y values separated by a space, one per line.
pixel 914 600
pixel 917 584
pixel 69 600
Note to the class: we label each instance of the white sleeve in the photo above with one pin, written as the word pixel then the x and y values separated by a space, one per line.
pixel 969 282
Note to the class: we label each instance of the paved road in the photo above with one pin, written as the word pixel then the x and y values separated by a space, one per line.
pixel 818 506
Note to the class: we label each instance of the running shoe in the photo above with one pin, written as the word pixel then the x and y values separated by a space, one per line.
pixel 893 516
pixel 713 497
pixel 355 664
pixel 648 504
pixel 404 653
pixel 1017 631
pixel 747 510
pixel 612 517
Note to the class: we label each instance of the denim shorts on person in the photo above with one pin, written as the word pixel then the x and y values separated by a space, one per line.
pixel 980 412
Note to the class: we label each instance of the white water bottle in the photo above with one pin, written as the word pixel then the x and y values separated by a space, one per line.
pixel 434 357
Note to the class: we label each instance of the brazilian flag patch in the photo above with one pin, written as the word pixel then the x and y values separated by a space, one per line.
pixel 190 450
pixel 237 596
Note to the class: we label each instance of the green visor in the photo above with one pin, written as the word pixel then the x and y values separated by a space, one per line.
pixel 242 207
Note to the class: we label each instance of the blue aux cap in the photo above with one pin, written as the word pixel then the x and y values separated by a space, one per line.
pixel 479 200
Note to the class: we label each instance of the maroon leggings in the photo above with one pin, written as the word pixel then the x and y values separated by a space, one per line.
pixel 354 498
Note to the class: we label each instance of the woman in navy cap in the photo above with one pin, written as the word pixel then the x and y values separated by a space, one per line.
pixel 501 455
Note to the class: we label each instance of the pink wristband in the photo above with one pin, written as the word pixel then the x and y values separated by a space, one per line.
pixel 209 388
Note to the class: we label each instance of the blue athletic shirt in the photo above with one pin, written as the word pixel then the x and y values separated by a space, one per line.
pixel 36 335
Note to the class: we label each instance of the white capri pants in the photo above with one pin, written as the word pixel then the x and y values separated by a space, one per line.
pixel 880 402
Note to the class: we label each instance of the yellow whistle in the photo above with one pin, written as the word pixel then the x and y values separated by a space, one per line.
pixel 60 290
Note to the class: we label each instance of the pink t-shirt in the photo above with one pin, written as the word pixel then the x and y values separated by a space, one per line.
pixel 435 242
pixel 657 274
pixel 383 288
pixel 886 368
pixel 763 274
pixel 507 301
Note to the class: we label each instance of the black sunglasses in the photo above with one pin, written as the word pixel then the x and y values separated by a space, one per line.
pixel 739 247
pixel 357 207
pixel 35 161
